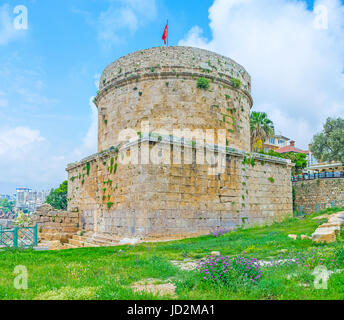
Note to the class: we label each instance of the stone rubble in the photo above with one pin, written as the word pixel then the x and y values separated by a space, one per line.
pixel 55 224
pixel 329 231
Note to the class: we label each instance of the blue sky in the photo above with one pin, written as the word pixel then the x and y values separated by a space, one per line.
pixel 62 49
pixel 48 72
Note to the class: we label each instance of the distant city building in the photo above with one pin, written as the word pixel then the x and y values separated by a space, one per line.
pixel 311 160
pixel 28 199
pixel 274 143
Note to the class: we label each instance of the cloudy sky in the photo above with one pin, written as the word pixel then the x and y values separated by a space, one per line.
pixel 294 51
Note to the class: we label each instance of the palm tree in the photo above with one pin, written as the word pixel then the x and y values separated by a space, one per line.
pixel 261 128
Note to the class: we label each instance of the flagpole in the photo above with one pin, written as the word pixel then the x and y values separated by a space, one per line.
pixel 167 32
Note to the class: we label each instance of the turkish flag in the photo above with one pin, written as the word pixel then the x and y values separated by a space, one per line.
pixel 164 36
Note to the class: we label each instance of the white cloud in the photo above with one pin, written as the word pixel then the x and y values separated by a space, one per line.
pixel 123 17
pixel 16 140
pixel 7 30
pixel 90 141
pixel 26 159
pixel 296 69
pixel 29 159
pixel 97 80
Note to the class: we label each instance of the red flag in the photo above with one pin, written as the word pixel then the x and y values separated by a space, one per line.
pixel 164 36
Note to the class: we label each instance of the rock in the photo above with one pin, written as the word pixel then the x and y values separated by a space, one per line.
pixel 304 237
pixel 44 208
pixel 129 241
pixel 329 231
pixel 292 236
pixel 339 215
pixel 334 226
pixel 186 264
pixel 215 253
pixel 336 220
pixel 324 216
pixel 326 235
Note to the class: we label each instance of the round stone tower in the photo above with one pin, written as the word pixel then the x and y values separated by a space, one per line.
pixel 163 86
pixel 171 89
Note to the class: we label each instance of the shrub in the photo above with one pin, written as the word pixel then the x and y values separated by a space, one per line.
pixel 224 270
pixel 22 220
pixel 271 179
pixel 203 83
pixel 236 83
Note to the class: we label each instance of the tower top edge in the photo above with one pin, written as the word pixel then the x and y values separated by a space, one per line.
pixel 181 58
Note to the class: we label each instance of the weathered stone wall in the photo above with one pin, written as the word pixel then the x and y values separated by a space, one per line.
pixel 56 224
pixel 159 85
pixel 314 195
pixel 168 201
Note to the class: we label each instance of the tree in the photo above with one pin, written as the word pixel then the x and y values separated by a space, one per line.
pixel 261 128
pixel 6 205
pixel 329 144
pixel 299 159
pixel 57 198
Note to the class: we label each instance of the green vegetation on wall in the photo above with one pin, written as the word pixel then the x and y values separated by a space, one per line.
pixel 203 83
pixel 236 83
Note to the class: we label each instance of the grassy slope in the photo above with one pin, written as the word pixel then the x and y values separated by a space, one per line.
pixel 107 273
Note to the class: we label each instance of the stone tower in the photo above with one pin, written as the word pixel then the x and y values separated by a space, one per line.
pixel 148 103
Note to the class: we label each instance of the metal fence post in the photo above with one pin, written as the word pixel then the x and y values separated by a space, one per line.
pixel 1 235
pixel 300 210
pixel 15 237
pixel 35 236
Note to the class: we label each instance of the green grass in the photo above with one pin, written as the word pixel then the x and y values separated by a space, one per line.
pixel 107 273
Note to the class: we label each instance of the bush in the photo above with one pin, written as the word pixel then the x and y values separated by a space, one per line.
pixel 203 83
pixel 229 271
pixel 236 83
pixel 22 220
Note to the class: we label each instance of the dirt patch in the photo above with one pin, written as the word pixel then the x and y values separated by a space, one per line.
pixel 156 287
